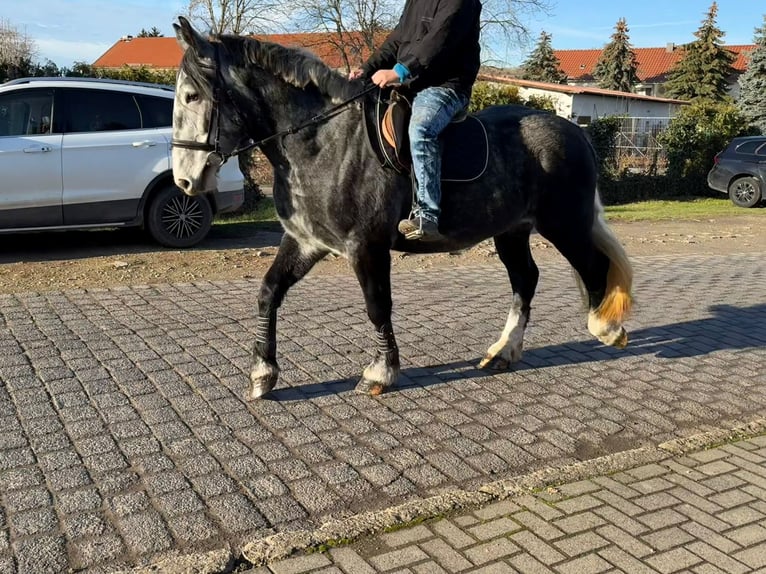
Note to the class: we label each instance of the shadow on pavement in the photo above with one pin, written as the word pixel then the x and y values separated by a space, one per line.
pixel 730 328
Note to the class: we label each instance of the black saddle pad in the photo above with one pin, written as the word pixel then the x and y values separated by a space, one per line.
pixel 465 150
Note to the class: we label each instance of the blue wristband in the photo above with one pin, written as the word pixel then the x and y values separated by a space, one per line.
pixel 401 71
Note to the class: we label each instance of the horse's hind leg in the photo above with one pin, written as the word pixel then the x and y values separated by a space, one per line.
pixel 602 267
pixel 290 265
pixel 514 252
pixel 373 270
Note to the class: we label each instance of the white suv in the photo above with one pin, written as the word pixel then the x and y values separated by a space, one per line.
pixel 82 152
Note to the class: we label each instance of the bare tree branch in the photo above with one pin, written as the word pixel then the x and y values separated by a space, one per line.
pixel 15 46
pixel 237 16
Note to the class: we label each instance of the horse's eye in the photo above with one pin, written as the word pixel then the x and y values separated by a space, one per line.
pixel 192 98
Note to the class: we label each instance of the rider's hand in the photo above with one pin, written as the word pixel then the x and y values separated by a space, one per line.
pixel 355 74
pixel 383 78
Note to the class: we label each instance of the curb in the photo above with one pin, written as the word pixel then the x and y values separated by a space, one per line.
pixel 340 532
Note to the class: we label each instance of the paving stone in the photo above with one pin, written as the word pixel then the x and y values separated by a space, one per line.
pixel 145 532
pixel 134 394
pixel 537 547
pixel 673 560
pixel 494 528
pixel 453 535
pixel 493 550
pixel 236 513
pixel 398 558
pixel 350 561
pixel 42 554
pixel 192 528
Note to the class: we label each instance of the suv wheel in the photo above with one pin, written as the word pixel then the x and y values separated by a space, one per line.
pixel 175 219
pixel 745 192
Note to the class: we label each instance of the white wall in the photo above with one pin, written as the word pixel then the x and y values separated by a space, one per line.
pixel 597 106
pixel 572 106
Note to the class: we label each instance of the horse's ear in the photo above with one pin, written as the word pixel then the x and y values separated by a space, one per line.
pixel 188 37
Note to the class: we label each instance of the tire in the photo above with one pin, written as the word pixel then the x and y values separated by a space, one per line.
pixel 177 220
pixel 745 192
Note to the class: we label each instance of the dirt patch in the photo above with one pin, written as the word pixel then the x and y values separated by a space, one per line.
pixel 56 261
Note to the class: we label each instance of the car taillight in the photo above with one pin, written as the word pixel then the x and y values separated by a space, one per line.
pixel 716 159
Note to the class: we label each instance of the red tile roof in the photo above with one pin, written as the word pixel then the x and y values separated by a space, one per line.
pixel 567 89
pixel 163 53
pixel 653 63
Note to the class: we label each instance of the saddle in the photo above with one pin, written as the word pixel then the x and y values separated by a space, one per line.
pixel 465 147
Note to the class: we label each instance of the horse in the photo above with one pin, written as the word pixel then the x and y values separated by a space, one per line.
pixel 332 194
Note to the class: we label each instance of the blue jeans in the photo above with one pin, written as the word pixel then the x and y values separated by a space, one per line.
pixel 432 111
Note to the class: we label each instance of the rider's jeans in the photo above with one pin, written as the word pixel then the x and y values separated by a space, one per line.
pixel 432 111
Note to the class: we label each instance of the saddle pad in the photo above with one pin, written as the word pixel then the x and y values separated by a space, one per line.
pixel 465 150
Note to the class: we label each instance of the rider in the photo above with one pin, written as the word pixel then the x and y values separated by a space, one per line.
pixel 434 50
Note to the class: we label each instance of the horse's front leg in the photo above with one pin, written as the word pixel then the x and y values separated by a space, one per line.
pixel 291 263
pixel 373 269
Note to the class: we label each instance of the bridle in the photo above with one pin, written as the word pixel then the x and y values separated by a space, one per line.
pixel 216 157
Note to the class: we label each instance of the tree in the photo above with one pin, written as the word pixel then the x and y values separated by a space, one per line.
pixel 153 33
pixel 236 16
pixel 705 66
pixel 355 27
pixel 616 67
pixel 503 24
pixel 752 84
pixel 17 52
pixel 542 65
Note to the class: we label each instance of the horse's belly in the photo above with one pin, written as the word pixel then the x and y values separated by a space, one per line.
pixel 309 239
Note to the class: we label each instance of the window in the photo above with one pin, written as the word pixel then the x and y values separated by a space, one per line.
pixel 27 112
pixel 156 112
pixel 761 150
pixel 583 120
pixel 100 111
pixel 749 147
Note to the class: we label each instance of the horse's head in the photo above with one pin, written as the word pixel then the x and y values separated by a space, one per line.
pixel 205 133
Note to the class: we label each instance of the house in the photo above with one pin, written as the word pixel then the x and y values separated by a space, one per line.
pixel 653 66
pixel 582 104
pixel 165 53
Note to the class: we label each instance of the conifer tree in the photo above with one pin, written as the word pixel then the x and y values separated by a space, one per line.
pixel 616 68
pixel 705 66
pixel 542 65
pixel 752 84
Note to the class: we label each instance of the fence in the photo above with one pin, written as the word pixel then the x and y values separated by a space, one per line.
pixel 637 146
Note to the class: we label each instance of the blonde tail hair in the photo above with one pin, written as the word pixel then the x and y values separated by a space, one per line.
pixel 617 302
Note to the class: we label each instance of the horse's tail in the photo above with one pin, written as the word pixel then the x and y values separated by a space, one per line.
pixel 617 302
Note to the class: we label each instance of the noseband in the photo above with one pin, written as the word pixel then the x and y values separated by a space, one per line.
pixel 216 157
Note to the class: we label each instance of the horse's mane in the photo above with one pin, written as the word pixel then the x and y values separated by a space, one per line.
pixel 295 66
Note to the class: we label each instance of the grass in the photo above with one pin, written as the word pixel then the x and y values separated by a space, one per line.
pixel 683 208
pixel 263 212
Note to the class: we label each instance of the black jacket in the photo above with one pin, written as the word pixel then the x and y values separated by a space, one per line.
pixel 438 42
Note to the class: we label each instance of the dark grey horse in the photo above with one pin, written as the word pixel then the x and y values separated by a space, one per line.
pixel 333 196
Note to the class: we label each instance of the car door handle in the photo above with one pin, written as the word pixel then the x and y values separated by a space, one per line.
pixel 37 149
pixel 145 143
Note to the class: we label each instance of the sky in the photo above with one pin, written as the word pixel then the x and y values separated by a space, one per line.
pixel 66 31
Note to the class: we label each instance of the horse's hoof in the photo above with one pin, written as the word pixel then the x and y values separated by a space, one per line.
pixel 622 341
pixel 372 388
pixel 263 379
pixel 495 363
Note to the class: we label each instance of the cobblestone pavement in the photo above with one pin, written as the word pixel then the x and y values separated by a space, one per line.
pixel 123 433
pixel 704 513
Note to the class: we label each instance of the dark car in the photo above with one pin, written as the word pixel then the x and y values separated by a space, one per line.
pixel 740 171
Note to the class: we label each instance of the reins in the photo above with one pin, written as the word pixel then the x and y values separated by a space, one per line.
pixel 318 119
